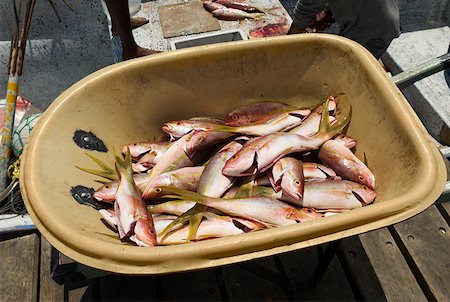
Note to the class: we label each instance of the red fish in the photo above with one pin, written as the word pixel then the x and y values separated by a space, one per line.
pixel 269 30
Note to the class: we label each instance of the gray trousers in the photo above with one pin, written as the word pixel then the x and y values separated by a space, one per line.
pixel 371 23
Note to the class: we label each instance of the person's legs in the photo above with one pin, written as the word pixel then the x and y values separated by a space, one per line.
pixel 121 26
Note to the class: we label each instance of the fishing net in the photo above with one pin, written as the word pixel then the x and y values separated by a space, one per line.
pixel 11 201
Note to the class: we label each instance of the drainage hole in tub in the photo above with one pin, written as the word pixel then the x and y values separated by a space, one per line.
pixel 89 141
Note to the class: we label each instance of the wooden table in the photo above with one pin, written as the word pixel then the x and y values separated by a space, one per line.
pixel 408 261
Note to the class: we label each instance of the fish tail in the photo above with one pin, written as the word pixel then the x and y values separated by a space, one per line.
pixel 324 125
pixel 224 128
pixel 194 224
pixel 337 128
pixel 101 173
pixel 194 216
pixel 101 164
pixel 105 170
pixel 183 194
pixel 123 165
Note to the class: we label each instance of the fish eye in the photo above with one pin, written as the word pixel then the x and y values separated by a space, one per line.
pixel 360 177
pixel 234 117
pixel 234 156
pixel 365 188
pixel 297 182
pixel 158 190
pixel 107 187
pixel 178 123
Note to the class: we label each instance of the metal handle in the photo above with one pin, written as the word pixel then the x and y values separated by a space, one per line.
pixel 446 152
pixel 408 77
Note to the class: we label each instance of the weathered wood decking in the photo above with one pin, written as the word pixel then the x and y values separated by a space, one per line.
pixel 408 261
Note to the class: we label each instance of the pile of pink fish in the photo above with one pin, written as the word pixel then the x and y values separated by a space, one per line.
pixel 232 10
pixel 266 164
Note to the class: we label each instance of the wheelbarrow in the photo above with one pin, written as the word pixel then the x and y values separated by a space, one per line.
pixel 128 102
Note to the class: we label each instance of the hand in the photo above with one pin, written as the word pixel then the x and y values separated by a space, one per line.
pixel 324 19
pixel 295 30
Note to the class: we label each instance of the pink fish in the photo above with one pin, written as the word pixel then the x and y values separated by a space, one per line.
pixel 185 178
pixel 210 228
pixel 149 159
pixel 280 122
pixel 204 139
pixel 182 127
pixel 133 220
pixel 310 125
pixel 231 14
pixel 342 160
pixel 139 149
pixel 174 158
pixel 212 6
pixel 255 113
pixel 263 153
pixel 317 171
pixel 176 207
pixel 336 194
pixel 287 175
pixel 108 191
pixel 266 210
pixel 239 5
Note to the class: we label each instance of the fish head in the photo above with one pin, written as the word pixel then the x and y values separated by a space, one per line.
pixel 177 128
pixel 237 118
pixel 139 167
pixel 144 232
pixel 364 194
pixel 107 192
pixel 153 192
pixel 155 189
pixel 365 177
pixel 149 159
pixel 306 214
pixel 136 149
pixel 293 187
pixel 241 164
pixel 196 140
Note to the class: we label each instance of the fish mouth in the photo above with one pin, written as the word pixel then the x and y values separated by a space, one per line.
pixel 326 174
pixel 99 198
pixel 299 115
pixel 294 195
pixel 360 199
pixel 237 171
pixel 167 127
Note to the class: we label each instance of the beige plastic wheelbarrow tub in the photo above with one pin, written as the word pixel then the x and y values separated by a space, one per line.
pixel 128 102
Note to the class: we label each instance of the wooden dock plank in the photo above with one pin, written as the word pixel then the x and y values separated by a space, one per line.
pixel 300 265
pixel 393 272
pixel 191 286
pixel 446 207
pixel 76 287
pixel 244 285
pixel 127 288
pixel 427 239
pixel 20 268
pixel 49 290
pixel 359 271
